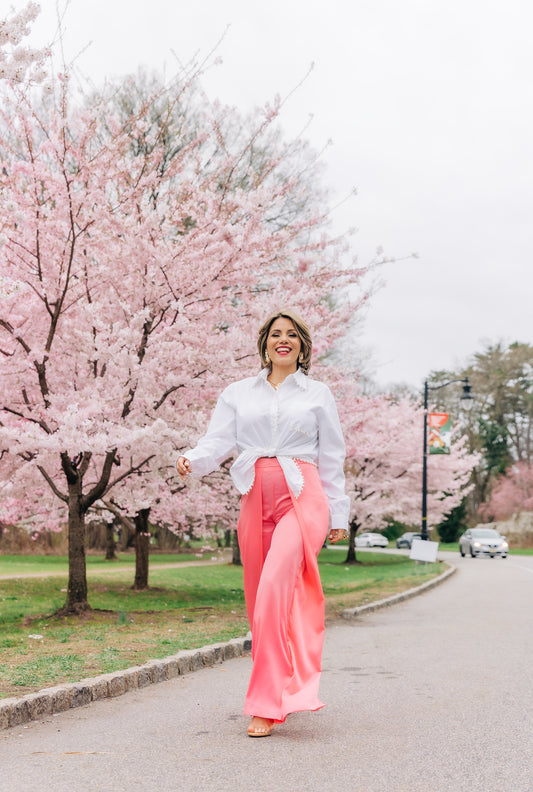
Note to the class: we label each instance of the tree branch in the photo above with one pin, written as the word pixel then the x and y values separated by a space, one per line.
pixel 175 388
pixel 69 469
pixel 84 464
pixel 40 423
pixel 147 329
pixel 112 507
pixel 166 394
pixel 10 329
pixel 133 469
pixel 52 484
pixel 102 485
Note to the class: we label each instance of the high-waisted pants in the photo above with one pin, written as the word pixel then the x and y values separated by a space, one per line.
pixel 280 537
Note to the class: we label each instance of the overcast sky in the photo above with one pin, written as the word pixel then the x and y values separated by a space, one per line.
pixel 430 109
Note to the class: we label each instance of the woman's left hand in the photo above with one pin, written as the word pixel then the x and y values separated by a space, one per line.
pixel 335 536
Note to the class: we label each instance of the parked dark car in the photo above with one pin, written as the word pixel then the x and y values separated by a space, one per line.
pixel 483 541
pixel 406 539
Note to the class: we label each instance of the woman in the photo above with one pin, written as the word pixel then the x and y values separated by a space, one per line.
pixel 289 470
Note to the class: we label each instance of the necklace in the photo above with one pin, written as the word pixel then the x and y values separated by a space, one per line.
pixel 275 385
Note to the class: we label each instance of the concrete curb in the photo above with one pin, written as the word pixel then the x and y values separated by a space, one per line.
pixel 352 613
pixel 50 701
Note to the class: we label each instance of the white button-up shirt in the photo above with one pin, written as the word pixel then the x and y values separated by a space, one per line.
pixel 298 421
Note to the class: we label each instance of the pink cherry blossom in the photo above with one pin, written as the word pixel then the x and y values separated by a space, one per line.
pixel 511 494
pixel 17 61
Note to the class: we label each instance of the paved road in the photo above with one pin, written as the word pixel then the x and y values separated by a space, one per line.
pixel 432 695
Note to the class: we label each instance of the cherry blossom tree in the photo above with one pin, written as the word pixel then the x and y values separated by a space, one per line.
pixel 511 494
pixel 131 283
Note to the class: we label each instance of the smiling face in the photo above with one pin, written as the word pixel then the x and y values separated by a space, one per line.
pixel 283 345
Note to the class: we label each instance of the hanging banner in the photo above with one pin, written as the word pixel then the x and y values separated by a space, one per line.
pixel 439 433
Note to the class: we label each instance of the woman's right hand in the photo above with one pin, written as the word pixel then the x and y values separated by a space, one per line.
pixel 183 466
pixel 336 535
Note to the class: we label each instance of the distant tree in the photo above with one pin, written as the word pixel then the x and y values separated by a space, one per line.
pixel 500 424
pixel 495 445
pixel 394 529
pixel 454 523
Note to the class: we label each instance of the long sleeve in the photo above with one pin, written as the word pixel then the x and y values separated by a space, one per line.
pixel 218 442
pixel 331 454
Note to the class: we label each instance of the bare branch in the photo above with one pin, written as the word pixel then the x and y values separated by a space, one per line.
pixel 10 329
pixel 69 469
pixel 147 329
pixel 175 388
pixel 113 508
pixel 52 484
pixel 102 485
pixel 166 394
pixel 40 423
pixel 86 458
pixel 40 368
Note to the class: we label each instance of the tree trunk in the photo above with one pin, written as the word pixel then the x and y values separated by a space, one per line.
pixel 110 544
pixel 236 550
pixel 126 537
pixel 77 568
pixel 351 558
pixel 142 543
pixel 78 504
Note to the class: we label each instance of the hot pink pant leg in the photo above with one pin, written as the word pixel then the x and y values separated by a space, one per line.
pixel 280 537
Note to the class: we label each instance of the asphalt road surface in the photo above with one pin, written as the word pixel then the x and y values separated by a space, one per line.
pixel 431 695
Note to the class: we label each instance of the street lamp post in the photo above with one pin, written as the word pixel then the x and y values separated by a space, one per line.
pixel 466 397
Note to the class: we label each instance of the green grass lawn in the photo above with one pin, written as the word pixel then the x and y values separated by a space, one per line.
pixel 185 607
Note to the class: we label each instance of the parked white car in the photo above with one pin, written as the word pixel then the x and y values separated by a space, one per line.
pixel 371 540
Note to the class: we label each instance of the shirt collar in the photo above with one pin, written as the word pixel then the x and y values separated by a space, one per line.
pixel 299 378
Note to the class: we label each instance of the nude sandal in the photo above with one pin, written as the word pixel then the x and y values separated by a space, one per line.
pixel 264 730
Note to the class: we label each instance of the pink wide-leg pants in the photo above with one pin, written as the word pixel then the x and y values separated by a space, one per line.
pixel 280 537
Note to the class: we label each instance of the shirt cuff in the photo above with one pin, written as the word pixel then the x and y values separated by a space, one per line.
pixel 339 522
pixel 201 465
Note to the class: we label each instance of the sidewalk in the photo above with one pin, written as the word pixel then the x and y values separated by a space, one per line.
pixel 100 570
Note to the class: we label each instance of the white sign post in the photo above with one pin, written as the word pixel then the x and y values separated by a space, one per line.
pixel 422 550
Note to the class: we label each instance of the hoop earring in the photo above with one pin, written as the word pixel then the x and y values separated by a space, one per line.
pixel 301 357
pixel 267 357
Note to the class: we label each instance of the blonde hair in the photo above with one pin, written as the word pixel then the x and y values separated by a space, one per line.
pixel 303 334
